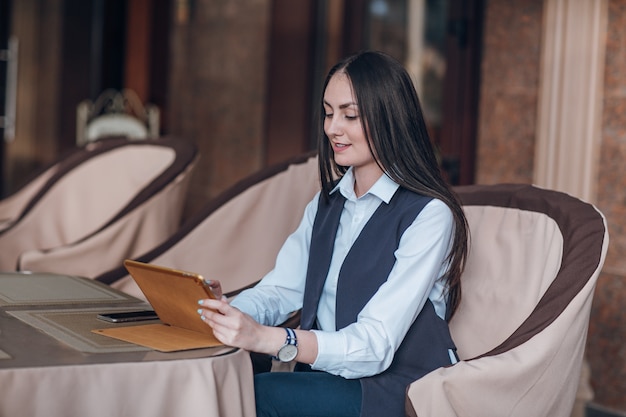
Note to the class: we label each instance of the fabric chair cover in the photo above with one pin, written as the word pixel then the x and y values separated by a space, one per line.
pixel 235 238
pixel 115 201
pixel 534 259
pixel 12 205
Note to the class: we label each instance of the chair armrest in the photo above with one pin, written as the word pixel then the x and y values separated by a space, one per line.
pixel 537 378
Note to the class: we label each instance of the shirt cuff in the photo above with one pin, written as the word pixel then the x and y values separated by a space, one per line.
pixel 330 350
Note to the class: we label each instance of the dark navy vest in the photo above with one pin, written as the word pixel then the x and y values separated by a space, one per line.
pixel 365 269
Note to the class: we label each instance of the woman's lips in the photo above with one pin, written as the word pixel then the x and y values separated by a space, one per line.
pixel 339 147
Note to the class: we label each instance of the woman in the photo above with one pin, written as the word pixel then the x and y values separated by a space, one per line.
pixel 375 264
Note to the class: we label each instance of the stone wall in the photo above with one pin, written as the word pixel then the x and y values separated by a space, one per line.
pixel 606 344
pixel 509 91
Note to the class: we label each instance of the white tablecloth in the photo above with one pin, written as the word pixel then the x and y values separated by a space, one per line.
pixel 41 375
pixel 215 386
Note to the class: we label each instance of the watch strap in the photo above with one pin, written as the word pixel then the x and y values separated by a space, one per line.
pixel 291 337
pixel 290 340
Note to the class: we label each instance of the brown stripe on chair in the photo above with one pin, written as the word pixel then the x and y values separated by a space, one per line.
pixel 578 222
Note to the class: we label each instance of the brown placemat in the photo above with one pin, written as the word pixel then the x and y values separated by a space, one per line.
pixel 162 337
pixel 74 328
pixel 22 289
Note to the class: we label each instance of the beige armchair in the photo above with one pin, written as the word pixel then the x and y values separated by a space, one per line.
pixel 521 327
pixel 116 200
pixel 237 235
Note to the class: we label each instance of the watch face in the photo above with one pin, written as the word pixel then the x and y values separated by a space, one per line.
pixel 287 353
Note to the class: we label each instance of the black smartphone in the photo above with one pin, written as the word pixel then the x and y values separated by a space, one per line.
pixel 128 316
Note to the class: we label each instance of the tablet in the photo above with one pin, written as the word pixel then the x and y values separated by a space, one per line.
pixel 174 296
pixel 172 293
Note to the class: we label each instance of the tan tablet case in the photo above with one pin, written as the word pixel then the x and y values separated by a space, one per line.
pixel 174 295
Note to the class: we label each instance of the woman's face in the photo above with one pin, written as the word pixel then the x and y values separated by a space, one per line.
pixel 342 125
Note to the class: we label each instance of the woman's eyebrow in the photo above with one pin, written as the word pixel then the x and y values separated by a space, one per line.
pixel 341 106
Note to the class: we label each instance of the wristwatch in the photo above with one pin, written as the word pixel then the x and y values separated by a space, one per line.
pixel 289 350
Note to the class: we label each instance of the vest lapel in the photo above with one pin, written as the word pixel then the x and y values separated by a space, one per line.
pixel 320 254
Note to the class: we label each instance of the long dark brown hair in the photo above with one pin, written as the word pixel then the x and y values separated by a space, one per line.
pixel 392 119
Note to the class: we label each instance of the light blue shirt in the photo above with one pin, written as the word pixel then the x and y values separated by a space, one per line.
pixel 367 346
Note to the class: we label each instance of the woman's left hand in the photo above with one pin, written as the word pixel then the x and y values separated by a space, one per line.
pixel 216 288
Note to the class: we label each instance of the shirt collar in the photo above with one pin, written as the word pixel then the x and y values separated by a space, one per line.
pixel 384 188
